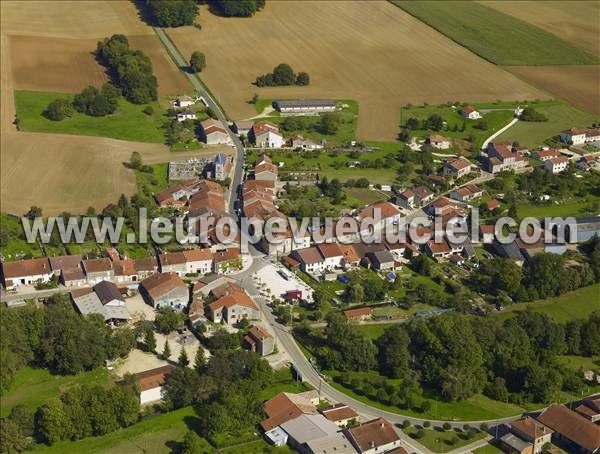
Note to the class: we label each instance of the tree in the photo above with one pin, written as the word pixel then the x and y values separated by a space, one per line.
pixel 497 390
pixel 135 161
pixel 446 426
pixel 197 61
pixel 199 360
pixel 173 13
pixel 180 387
pixel 53 424
pixel 150 340
pixel 239 8
pixel 59 109
pixel 24 418
pixel 12 439
pixel 183 360
pixel 193 444
pixel 394 356
pixel 166 354
pixel 356 294
pixel 302 78
pixel 34 212
pixel 283 74
pixel 329 123
pixel 166 320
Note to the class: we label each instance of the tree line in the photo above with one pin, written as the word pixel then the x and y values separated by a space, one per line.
pixel 173 13
pixel 131 69
pixel 237 8
pixel 282 74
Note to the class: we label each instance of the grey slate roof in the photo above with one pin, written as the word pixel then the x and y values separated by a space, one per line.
pixel 107 291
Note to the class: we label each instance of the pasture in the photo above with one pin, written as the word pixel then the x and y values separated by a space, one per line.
pixel 371 52
pixel 495 36
pixel 578 85
pixel 574 21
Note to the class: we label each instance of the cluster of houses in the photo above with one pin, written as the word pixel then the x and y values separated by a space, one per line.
pixel 294 419
pixel 574 430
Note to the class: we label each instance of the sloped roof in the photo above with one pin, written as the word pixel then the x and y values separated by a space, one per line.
pixel 572 425
pixel 234 299
pixel 153 378
pixel 159 284
pixel 30 267
pixel 374 433
pixel 62 262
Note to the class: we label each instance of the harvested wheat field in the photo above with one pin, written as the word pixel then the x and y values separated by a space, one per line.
pixel 369 51
pixel 574 21
pixel 579 85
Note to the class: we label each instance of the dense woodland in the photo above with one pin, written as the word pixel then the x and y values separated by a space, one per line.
pixel 173 13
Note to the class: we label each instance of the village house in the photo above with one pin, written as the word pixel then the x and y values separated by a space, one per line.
pixel 306 429
pixel 439 142
pixel 284 407
pixel 359 315
pixel 184 101
pixel 299 141
pixel 573 136
pixel 310 259
pixel 438 250
pixel 502 156
pixel 260 341
pixel 544 155
pixel 374 437
pixel 198 261
pixel 104 299
pixel 242 127
pixel 73 277
pixel 178 194
pixel 145 266
pixel 125 270
pixel 304 106
pixel 406 199
pixel 264 169
pixel 26 272
pixel 423 195
pixel 492 205
pixel 151 383
pixel 590 408
pixel 466 193
pixel 186 114
pixel 227 261
pixel 266 135
pixel 233 308
pixel 587 163
pixel 532 432
pixel 571 428
pixel 351 259
pixel 382 260
pixel 165 290
pixel 470 113
pixel 487 233
pixel 556 165
pixel 332 255
pixel 387 214
pixel 98 270
pixel 213 132
pixel 457 168
pixel 173 262
pixel 340 414
pixel 64 262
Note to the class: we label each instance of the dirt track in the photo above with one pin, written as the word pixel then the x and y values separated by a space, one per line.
pixel 369 51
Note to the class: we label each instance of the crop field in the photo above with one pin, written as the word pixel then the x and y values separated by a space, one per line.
pixel 579 85
pixel 499 38
pixel 574 21
pixel 372 52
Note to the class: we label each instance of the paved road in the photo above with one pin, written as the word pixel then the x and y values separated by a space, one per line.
pixel 238 161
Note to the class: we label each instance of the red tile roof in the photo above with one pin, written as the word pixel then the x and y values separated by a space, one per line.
pixel 572 426
pixel 158 284
pixel 30 267
pixel 374 433
pixel 234 299
pixel 338 412
pixel 360 312
pixel 154 378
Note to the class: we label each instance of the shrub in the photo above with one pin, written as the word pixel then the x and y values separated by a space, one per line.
pixel 484 427
pixel 447 426
pixel 197 61
pixel 406 424
pixel 302 78
pixel 426 424
pixel 148 110
pixel 59 109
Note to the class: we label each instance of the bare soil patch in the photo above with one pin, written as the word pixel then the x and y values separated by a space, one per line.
pixel 574 21
pixel 372 52
pixel 579 85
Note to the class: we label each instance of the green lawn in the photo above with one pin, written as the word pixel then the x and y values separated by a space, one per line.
pixel 155 181
pixel 283 382
pixel 127 123
pixel 495 119
pixel 488 449
pixel 366 196
pixel 160 434
pixel 16 247
pixel 439 441
pixel 561 116
pixel 495 36
pixel 577 304
pixel 374 331
pixel 33 387
pixel 577 362
pixel 572 206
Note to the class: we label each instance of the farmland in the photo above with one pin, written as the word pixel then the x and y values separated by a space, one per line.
pixel 485 31
pixel 574 21
pixel 575 84
pixel 401 60
pixel 560 116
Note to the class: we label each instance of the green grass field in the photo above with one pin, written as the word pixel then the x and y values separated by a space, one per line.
pixel 488 449
pixel 439 441
pixel 127 123
pixel 577 362
pixel 577 304
pixel 33 387
pixel 561 116
pixel 495 36
pixel 16 246
pixel 575 206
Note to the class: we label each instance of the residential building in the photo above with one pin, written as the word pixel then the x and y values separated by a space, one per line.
pixel 260 341
pixel 438 249
pixel 515 444
pixel 64 262
pixel 243 127
pixel 544 155
pixel 340 414
pixel 571 428
pixel 457 168
pixel 213 132
pixel 198 261
pixel 104 299
pixel 98 270
pixel 178 194
pixel 151 383
pixel 439 142
pixel 351 258
pixel 173 262
pixel 573 136
pixel 330 444
pixel 470 113
pixel 233 308
pixel 374 437
pixel 186 114
pixel 73 277
pixel 386 213
pixel 264 169
pixel 305 106
pixel 556 165
pixel 492 205
pixel 284 407
pixel 509 251
pixel 532 431
pixel 266 135
pixel 307 428
pixel 311 260
pixel 228 261
pixel 502 156
pixel 165 290
pixel 467 193
pixel 406 199
pixel 382 260
pixel 184 101
pixel 423 195
pixel 145 266
pixel 332 255
pixel 359 315
pixel 26 272
pixel 299 141
pixel 590 408
pixel 125 270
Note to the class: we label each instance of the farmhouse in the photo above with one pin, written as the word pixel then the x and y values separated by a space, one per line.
pixel 26 272
pixel 165 290
pixel 374 436
pixel 556 165
pixel 439 142
pixel 457 168
pixel 532 432
pixel 286 406
pixel 242 127
pixel 467 193
pixel 571 428
pixel 151 383
pixel 73 277
pixel 233 308
pixel 259 341
pixel 125 270
pixel 186 114
pixel 103 299
pixel 145 267
pixel 382 260
pixel 470 113
pixel 213 132
pixel 266 135
pixel 304 106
